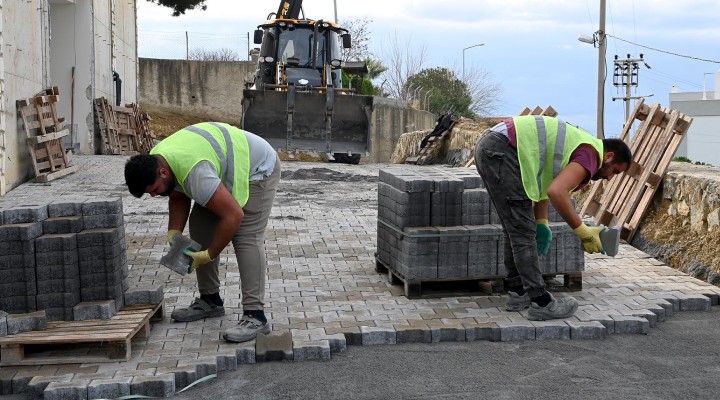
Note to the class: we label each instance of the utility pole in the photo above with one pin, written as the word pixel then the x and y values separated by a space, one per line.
pixel 602 48
pixel 626 74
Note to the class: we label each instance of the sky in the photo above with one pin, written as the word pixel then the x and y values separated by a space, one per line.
pixel 530 47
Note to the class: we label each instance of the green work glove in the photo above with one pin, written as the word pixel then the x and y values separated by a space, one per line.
pixel 199 258
pixel 543 236
pixel 171 235
pixel 590 237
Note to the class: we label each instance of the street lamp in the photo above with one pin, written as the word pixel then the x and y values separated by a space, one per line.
pixel 463 66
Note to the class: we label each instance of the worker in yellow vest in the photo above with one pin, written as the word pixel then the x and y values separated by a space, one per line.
pixel 526 161
pixel 232 176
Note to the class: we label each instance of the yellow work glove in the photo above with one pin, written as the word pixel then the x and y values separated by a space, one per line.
pixel 543 236
pixel 590 237
pixel 171 235
pixel 199 258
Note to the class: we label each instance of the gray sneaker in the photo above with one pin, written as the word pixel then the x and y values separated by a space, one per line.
pixel 556 309
pixel 199 309
pixel 246 330
pixel 515 302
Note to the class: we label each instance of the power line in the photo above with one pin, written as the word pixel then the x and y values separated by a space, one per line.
pixel 664 51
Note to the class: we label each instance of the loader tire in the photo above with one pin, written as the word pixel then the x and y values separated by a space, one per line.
pixel 343 158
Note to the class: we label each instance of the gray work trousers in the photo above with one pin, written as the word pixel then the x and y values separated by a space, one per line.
pixel 248 242
pixel 497 163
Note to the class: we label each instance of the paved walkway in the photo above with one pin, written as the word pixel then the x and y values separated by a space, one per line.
pixel 322 286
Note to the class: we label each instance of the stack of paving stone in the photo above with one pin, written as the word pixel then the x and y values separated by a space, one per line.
pixel 57 256
pixel 439 222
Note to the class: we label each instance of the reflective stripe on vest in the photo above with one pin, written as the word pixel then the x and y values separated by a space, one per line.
pixel 223 145
pixel 228 167
pixel 539 143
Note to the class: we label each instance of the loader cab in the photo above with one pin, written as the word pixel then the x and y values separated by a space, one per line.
pixel 304 53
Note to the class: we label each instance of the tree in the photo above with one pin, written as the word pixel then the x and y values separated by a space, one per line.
pixel 403 61
pixel 180 6
pixel 440 91
pixel 484 93
pixel 213 55
pixel 360 35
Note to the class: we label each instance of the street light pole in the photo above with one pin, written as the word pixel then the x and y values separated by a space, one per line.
pixel 463 58
pixel 602 49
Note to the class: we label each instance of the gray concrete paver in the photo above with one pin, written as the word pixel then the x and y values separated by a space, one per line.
pixel 322 286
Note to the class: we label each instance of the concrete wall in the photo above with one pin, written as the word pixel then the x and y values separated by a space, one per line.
pixel 43 41
pixel 25 58
pixel 391 118
pixel 214 88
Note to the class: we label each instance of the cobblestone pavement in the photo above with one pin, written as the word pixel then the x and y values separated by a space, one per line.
pixel 323 290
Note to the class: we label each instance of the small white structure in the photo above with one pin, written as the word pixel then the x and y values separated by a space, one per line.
pixel 84 47
pixel 702 141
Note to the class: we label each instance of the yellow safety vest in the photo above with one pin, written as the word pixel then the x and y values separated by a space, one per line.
pixel 225 146
pixel 544 146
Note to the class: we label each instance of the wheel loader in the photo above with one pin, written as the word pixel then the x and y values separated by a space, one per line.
pixel 296 100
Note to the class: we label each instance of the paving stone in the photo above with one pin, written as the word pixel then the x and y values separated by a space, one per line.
pixel 65 208
pixel 626 324
pixel 587 330
pixel 100 237
pixel 226 361
pixel 102 206
pixel 695 303
pixel 452 334
pixel 21 231
pixel 56 242
pixel 245 353
pixel 203 366
pixel 412 335
pixel 35 321
pixel 374 336
pixel 104 309
pixel 154 386
pixel 274 346
pixel 551 330
pixel 511 331
pixel 37 384
pixel 338 342
pixel 311 350
pixel 66 391
pixel 483 331
pixel 3 323
pixel 184 375
pixel 24 213
pixel 109 388
pixel 103 221
pixel 62 225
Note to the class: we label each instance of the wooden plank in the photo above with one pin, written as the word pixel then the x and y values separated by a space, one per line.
pixel 56 175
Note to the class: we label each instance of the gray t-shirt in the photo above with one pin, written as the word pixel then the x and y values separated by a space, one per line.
pixel 203 180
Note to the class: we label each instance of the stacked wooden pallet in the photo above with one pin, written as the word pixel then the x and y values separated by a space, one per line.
pixel 124 130
pixel 44 131
pixel 626 198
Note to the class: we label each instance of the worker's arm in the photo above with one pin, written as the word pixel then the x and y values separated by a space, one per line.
pixel 541 210
pixel 179 206
pixel 559 192
pixel 230 216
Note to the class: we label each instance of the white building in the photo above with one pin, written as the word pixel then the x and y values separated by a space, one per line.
pixel 702 141
pixel 76 45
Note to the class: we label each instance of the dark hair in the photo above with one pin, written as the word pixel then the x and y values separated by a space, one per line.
pixel 621 150
pixel 140 171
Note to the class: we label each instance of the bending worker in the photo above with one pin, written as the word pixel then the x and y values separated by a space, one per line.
pixel 526 161
pixel 232 176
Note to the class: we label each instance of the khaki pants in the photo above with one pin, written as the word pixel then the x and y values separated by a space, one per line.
pixel 248 242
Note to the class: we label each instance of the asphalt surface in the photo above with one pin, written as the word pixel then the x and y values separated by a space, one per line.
pixel 679 359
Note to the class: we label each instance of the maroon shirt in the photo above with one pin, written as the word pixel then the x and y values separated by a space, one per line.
pixel 584 155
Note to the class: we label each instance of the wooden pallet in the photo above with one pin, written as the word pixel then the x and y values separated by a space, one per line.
pixel 124 130
pixel 466 286
pixel 625 198
pixel 73 342
pixel 44 132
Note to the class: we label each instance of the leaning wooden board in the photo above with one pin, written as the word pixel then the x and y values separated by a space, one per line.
pixel 72 342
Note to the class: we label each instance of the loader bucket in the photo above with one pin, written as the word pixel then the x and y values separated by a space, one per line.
pixel 266 114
